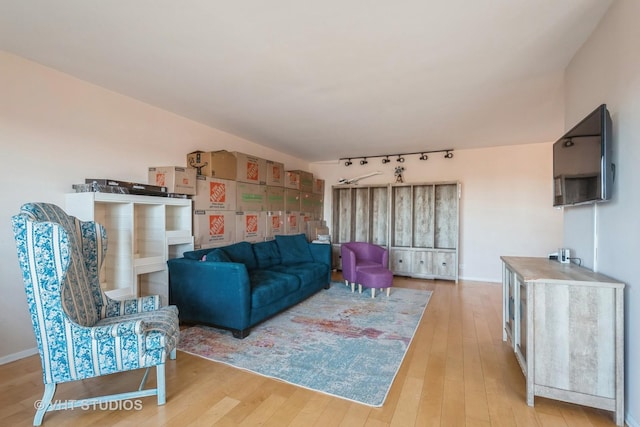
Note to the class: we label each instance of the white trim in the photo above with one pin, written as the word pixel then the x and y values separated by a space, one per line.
pixel 19 355
pixel 480 279
pixel 631 422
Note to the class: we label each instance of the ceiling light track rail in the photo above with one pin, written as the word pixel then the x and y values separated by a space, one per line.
pixel 386 158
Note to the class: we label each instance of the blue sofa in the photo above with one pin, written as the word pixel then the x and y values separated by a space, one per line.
pixel 237 286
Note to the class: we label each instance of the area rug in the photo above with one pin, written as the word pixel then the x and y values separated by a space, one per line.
pixel 336 342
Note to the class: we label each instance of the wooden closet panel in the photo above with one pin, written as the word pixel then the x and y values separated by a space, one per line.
pixel 379 215
pixel 446 216
pixel 423 218
pixel 402 229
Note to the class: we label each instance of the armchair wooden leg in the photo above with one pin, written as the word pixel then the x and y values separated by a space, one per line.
pixel 160 384
pixel 44 404
pixel 172 355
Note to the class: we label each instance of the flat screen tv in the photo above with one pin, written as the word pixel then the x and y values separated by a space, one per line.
pixel 582 168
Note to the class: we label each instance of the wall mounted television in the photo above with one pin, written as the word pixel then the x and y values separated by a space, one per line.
pixel 582 167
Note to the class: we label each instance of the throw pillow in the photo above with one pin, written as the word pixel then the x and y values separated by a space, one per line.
pixel 197 254
pixel 216 255
pixel 267 253
pixel 294 249
pixel 242 252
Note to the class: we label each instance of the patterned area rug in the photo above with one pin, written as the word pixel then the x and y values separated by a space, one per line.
pixel 340 343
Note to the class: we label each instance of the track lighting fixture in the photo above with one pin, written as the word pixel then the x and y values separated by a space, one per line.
pixel 400 157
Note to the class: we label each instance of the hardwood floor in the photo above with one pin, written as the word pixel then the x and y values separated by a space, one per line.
pixel 457 372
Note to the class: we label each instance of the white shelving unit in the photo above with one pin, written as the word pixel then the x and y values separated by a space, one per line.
pixel 143 232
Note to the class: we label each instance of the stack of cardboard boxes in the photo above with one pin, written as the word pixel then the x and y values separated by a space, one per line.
pixel 239 197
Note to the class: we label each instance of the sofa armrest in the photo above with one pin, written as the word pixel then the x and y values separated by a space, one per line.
pixel 381 255
pixel 321 252
pixel 216 293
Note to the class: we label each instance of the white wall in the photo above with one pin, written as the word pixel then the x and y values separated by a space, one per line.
pixel 506 205
pixel 607 70
pixel 56 131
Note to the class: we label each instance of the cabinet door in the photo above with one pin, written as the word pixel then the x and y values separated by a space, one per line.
pixel 379 215
pixel 361 215
pixel 400 261
pixel 423 216
pixel 522 316
pixel 445 264
pixel 402 231
pixel 423 263
pixel 342 210
pixel 446 216
pixel 510 301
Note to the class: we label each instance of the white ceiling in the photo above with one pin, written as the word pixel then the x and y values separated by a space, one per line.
pixel 325 79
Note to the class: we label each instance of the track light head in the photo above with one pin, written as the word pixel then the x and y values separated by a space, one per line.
pixel 348 162
pixel 386 160
pixel 424 157
pixel 364 161
pixel 448 155
pixel 400 159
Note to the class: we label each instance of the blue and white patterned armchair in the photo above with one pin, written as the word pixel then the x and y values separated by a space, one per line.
pixel 80 332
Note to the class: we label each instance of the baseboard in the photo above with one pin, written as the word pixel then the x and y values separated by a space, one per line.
pixel 19 355
pixel 478 279
pixel 631 422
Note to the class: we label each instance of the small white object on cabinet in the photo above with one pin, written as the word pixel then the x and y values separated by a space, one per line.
pixel 143 232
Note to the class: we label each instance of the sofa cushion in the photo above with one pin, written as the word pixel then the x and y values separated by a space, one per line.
pixel 307 272
pixel 217 255
pixel 294 249
pixel 267 253
pixel 242 252
pixel 268 286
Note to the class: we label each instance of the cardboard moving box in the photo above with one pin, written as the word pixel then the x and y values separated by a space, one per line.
pixel 250 197
pixel 318 186
pixel 292 180
pixel 275 174
pixel 177 179
pixel 275 198
pixel 250 226
pixel 213 228
pixel 291 200
pixel 305 179
pixel 216 164
pixel 214 194
pixel 274 224
pixel 250 169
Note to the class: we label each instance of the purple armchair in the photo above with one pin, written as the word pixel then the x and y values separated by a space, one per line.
pixel 357 255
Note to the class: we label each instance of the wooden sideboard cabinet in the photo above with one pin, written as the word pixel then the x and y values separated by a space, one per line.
pixel 566 326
